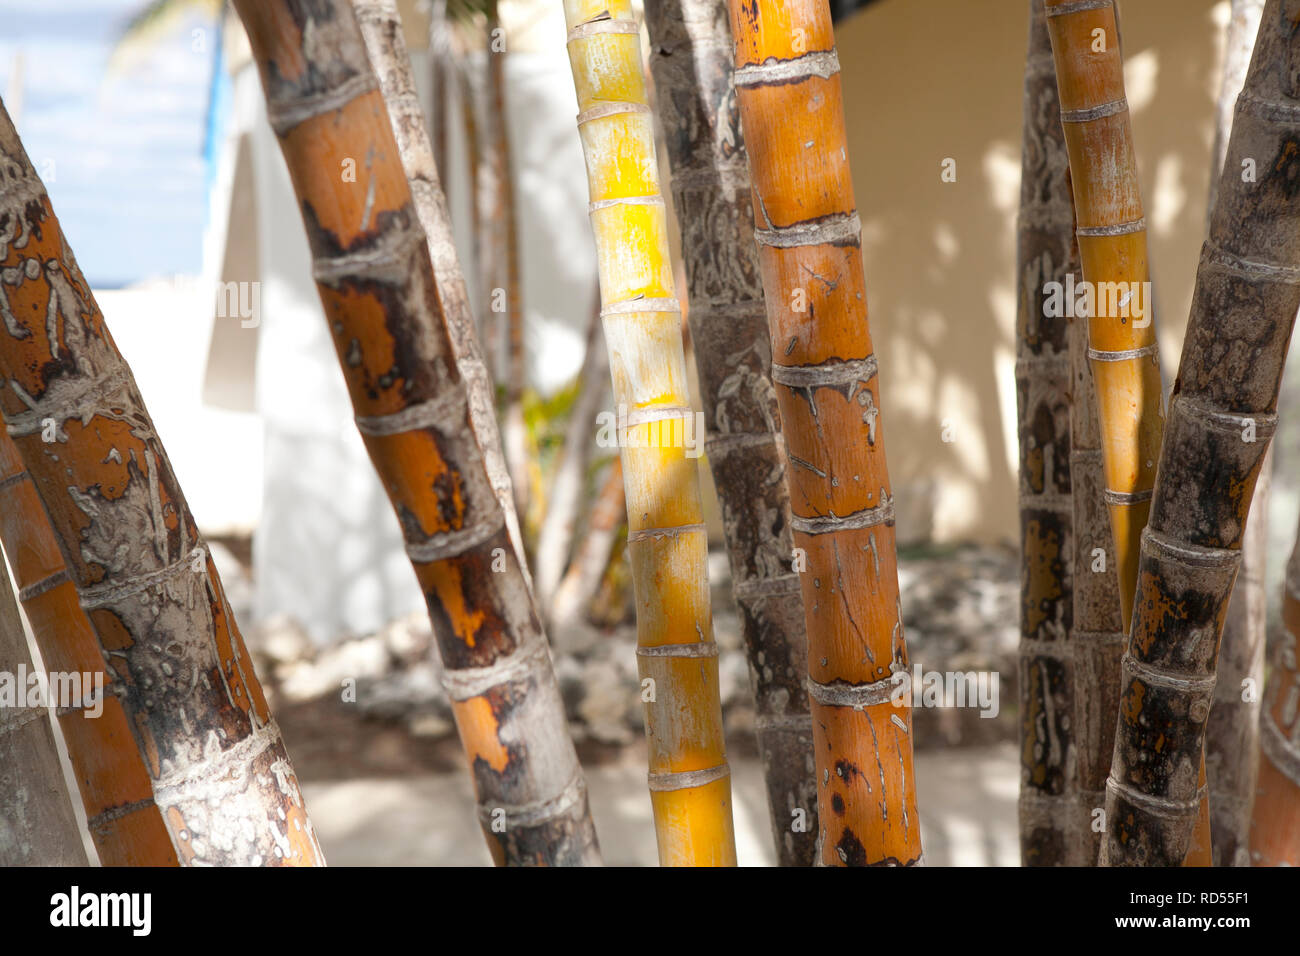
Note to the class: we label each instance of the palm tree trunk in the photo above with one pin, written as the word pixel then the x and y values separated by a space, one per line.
pixel 1232 736
pixel 123 819
pixel 1222 417
pixel 1046 253
pixel 1275 820
pixel 691 64
pixel 219 771
pixel 37 825
pixel 809 238
pixel 380 293
pixel 690 782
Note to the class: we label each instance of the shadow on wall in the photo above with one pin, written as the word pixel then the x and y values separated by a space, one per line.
pixel 940 256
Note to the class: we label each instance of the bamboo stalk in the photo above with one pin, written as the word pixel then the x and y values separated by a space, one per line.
pixel 505 222
pixel 123 819
pixel 1275 820
pixel 382 31
pixel 809 238
pixel 1113 251
pixel 1046 253
pixel 220 775
pixel 1097 638
pixel 380 294
pixel 1232 736
pixel 1222 417
pixel 691 65
pixel 591 558
pixel 37 825
pixel 555 538
pixel 690 782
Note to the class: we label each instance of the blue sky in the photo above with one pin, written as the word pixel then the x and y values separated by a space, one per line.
pixel 123 155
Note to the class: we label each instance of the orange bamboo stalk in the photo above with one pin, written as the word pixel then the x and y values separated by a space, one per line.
pixel 219 771
pixel 123 819
pixel 1113 252
pixel 788 86
pixel 386 311
pixel 690 782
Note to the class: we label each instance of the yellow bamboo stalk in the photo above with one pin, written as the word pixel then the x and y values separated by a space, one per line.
pixel 1113 251
pixel 690 782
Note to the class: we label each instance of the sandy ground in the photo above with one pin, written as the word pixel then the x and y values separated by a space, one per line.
pixel 967 806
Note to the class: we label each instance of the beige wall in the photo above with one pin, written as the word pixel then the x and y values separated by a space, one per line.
pixel 928 81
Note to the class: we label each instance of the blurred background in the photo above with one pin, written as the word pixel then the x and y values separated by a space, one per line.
pixel 147 124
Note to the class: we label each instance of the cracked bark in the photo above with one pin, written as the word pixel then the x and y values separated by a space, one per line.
pixel 1046 252
pixel 218 768
pixel 691 63
pixel 690 781
pixel 809 242
pixel 393 326
pixel 1222 417
pixel 123 819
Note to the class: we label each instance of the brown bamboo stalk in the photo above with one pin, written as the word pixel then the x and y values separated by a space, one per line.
pixel 1046 253
pixel 377 284
pixel 382 30
pixel 1275 820
pixel 121 815
pixel 789 90
pixel 1097 638
pixel 220 774
pixel 37 825
pixel 1222 417
pixel 696 104
pixel 1232 736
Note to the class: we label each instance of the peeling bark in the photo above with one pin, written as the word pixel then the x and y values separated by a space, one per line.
pixel 842 512
pixel 123 819
pixel 219 771
pixel 691 63
pixel 393 325
pixel 1222 417
pixel 1046 252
